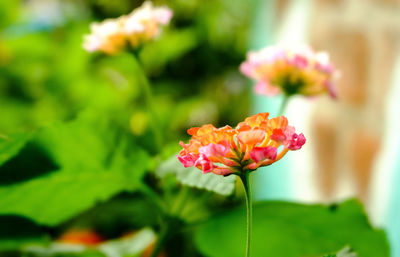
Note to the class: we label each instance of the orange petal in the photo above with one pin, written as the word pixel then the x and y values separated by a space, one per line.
pixel 251 137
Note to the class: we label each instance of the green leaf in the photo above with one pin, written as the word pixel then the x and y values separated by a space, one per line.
pixel 193 177
pixel 345 252
pixel 126 212
pixel 292 230
pixel 11 145
pixel 96 162
pixel 170 46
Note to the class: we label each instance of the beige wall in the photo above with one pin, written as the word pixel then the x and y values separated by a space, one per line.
pixel 362 38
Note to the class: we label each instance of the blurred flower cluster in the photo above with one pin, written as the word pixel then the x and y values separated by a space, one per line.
pixel 253 143
pixel 141 25
pixel 290 71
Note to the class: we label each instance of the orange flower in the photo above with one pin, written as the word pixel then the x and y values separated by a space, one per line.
pixel 81 236
pixel 257 141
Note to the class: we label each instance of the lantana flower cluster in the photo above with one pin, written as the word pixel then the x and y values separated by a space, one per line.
pixel 290 71
pixel 257 141
pixel 141 25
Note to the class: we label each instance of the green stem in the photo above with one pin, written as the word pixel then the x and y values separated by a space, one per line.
pixel 245 177
pixel 149 99
pixel 283 106
pixel 181 200
pixel 162 237
pixel 176 210
pixel 152 195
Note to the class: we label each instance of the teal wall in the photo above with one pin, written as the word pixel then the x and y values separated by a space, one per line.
pixel 393 228
pixel 269 182
pixel 393 215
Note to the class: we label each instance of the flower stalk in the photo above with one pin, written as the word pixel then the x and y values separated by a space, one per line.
pixel 161 239
pixel 245 177
pixel 283 106
pixel 149 99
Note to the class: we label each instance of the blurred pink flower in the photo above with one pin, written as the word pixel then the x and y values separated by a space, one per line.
pixel 106 36
pixel 140 26
pixel 290 71
pixel 144 23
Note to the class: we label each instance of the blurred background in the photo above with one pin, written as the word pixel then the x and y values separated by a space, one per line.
pixel 353 142
pixel 352 148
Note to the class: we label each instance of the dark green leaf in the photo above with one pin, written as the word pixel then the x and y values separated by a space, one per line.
pixel 17 231
pixel 96 162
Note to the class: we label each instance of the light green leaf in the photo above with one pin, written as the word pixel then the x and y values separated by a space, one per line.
pixel 292 230
pixel 10 145
pixel 96 162
pixel 193 177
pixel 129 246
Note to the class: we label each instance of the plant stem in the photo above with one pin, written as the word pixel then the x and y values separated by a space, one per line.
pixel 181 200
pixel 174 211
pixel 283 106
pixel 161 239
pixel 152 195
pixel 249 208
pixel 149 99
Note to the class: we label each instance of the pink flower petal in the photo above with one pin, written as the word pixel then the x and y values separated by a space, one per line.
pixel 204 164
pixel 187 160
pixel 296 142
pixel 299 61
pixel 163 15
pixel 259 154
pixel 263 88
pixel 216 150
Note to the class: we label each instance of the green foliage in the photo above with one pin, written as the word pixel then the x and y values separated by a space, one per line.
pixel 17 231
pixel 10 145
pixel 171 46
pixel 96 162
pixel 345 252
pixel 122 214
pixel 8 12
pixel 292 230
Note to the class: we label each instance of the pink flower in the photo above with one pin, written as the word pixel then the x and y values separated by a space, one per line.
pixel 290 71
pixel 106 36
pixel 141 25
pixel 253 143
